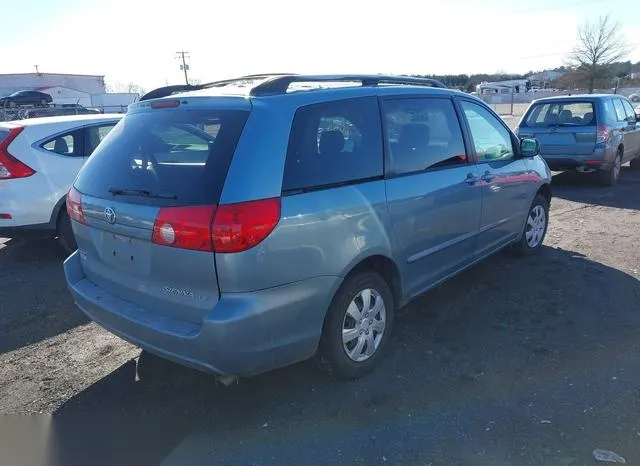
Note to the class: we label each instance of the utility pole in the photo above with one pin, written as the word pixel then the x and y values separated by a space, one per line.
pixel 184 67
pixel 36 67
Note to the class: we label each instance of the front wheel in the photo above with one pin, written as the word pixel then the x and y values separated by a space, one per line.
pixel 358 326
pixel 535 228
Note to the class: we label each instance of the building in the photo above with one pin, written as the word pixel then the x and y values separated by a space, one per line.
pixel 544 78
pixel 80 89
pixel 88 84
pixel 502 87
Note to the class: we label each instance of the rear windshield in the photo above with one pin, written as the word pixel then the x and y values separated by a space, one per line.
pixel 164 157
pixel 561 113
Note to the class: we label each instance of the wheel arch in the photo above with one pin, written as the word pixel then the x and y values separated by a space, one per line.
pixel 383 265
pixel 545 191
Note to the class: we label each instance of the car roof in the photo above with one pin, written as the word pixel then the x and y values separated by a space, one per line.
pixel 577 97
pixel 65 119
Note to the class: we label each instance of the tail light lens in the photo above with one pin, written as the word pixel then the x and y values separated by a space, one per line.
pixel 10 167
pixel 223 229
pixel 74 206
pixel 184 227
pixel 603 133
pixel 238 227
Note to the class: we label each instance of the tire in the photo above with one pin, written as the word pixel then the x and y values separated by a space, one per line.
pixel 352 295
pixel 635 163
pixel 533 233
pixel 65 233
pixel 611 176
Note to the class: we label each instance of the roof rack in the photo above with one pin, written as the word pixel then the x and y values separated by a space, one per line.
pixel 169 90
pixel 278 83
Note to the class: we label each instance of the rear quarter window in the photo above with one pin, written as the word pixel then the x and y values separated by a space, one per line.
pixel 333 143
pixel 181 155
pixel 561 113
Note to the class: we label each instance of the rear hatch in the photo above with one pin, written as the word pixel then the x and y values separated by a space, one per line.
pixel 563 128
pixel 144 203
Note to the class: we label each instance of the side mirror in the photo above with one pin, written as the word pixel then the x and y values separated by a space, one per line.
pixel 529 147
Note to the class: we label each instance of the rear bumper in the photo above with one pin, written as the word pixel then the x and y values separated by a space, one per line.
pixel 599 159
pixel 244 334
pixel 32 203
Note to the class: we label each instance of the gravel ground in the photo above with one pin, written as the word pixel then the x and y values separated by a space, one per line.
pixel 514 362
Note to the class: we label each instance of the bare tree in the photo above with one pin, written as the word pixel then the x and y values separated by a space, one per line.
pixel 599 45
pixel 122 87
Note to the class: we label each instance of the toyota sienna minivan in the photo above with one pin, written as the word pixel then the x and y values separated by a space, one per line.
pixel 240 226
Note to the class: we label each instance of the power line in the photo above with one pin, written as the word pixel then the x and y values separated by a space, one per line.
pixel 184 67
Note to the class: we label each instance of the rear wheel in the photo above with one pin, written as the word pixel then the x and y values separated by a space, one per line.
pixel 610 176
pixel 536 227
pixel 65 233
pixel 635 163
pixel 358 326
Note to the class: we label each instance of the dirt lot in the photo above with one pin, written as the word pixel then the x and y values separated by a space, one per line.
pixel 515 362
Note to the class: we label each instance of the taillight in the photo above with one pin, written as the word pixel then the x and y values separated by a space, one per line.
pixel 10 167
pixel 238 227
pixel 184 227
pixel 603 133
pixel 74 206
pixel 224 229
pixel 165 104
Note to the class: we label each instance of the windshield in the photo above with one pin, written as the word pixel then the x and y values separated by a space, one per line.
pixel 181 155
pixel 561 114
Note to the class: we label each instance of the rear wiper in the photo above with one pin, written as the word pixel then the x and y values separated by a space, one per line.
pixel 139 192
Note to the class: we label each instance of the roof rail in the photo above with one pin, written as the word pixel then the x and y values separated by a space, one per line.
pixel 280 84
pixel 169 90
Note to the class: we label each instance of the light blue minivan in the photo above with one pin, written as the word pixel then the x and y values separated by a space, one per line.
pixel 244 225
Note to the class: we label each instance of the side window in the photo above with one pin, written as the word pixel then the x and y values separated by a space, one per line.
pixel 94 136
pixel 630 112
pixel 334 142
pixel 490 138
pixel 610 111
pixel 69 144
pixel 423 133
pixel 620 113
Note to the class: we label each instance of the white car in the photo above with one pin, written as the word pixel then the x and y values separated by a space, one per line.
pixel 39 159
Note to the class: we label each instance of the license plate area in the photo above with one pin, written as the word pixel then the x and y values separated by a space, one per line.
pixel 124 252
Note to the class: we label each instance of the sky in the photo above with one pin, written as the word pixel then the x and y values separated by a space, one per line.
pixel 135 41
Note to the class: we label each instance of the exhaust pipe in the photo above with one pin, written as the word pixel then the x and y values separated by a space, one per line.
pixel 227 380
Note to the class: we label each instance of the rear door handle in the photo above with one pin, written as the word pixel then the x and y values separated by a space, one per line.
pixel 488 177
pixel 471 179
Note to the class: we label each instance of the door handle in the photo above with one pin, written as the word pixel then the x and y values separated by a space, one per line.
pixel 488 177
pixel 471 179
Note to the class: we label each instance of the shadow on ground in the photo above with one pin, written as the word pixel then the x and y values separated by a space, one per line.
pixel 473 368
pixel 34 301
pixel 584 188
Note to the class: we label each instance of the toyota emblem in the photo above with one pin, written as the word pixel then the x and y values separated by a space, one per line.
pixel 110 215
